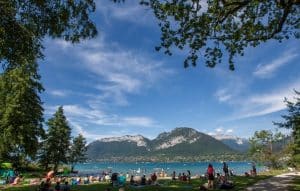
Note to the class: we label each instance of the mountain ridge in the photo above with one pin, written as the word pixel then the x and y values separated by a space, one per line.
pixel 181 142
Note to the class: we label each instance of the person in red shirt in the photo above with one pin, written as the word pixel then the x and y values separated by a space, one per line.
pixel 211 175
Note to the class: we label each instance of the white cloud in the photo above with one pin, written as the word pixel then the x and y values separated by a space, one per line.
pixel 63 44
pixel 131 11
pixel 231 86
pixel 85 115
pixel 90 136
pixel 77 111
pixel 223 95
pixel 265 103
pixel 58 93
pixel 229 131
pixel 267 70
pixel 117 71
pixel 139 121
pixel 219 130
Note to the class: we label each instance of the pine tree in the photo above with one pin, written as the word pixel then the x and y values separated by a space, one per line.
pixel 292 122
pixel 58 139
pixel 21 113
pixel 77 151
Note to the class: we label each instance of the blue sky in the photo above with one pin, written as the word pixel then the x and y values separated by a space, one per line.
pixel 117 84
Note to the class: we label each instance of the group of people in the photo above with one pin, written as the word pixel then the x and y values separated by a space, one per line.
pixel 12 177
pixel 252 171
pixel 222 181
pixel 182 176
pixel 143 180
pixel 214 179
pixel 46 186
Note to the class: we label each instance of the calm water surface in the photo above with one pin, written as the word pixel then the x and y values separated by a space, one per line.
pixel 196 168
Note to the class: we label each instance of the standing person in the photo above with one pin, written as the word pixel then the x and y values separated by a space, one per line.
pixel 189 175
pixel 174 175
pixel 211 176
pixel 226 171
pixel 253 169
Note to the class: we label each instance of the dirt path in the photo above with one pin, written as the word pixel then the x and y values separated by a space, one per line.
pixel 276 183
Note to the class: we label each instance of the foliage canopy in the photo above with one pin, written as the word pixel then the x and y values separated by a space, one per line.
pixel 58 139
pixel 24 23
pixel 77 151
pixel 21 113
pixel 292 122
pixel 215 29
pixel 262 147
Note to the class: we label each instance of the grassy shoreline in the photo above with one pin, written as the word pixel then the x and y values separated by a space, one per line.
pixel 240 182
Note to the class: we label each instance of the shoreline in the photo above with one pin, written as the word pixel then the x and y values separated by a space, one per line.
pixel 240 180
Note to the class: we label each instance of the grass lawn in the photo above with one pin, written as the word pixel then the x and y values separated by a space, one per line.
pixel 296 184
pixel 240 183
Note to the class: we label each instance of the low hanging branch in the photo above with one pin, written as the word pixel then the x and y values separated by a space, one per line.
pixel 221 28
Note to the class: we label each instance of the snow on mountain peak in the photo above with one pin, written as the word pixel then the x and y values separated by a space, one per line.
pixel 221 137
pixel 239 141
pixel 140 140
pixel 170 143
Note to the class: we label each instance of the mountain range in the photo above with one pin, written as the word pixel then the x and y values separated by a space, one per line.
pixel 181 143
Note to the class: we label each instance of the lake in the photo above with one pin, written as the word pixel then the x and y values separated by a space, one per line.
pixel 196 168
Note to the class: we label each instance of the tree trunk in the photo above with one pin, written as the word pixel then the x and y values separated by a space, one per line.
pixel 55 167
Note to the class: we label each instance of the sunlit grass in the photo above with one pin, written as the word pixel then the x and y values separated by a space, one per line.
pixel 296 184
pixel 240 183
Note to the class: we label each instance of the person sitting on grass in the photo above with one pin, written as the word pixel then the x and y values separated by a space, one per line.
pixel 220 179
pixel 143 181
pixel 179 177
pixel 132 180
pixel 17 180
pixel 41 187
pixel 184 177
pixel 47 184
pixel 66 187
pixel 86 180
pixel 57 186
pixel 149 181
pixel 114 179
pixel 231 172
pixel 153 178
pixel 203 187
